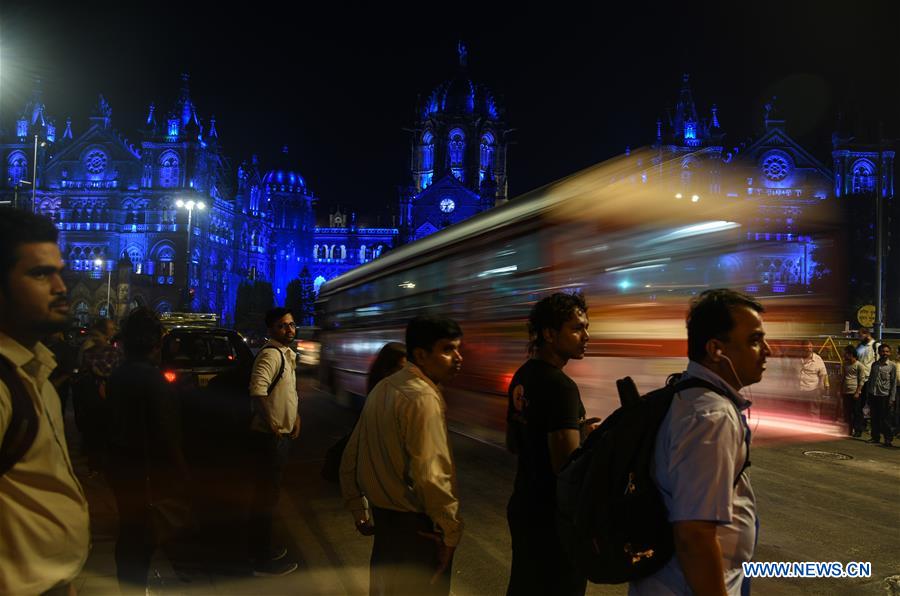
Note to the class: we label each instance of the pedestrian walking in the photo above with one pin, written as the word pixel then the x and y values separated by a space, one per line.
pixel 398 478
pixel 43 510
pixel 275 425
pixel 146 467
pixel 702 451
pixel 545 419
pixel 881 389
pixel 851 390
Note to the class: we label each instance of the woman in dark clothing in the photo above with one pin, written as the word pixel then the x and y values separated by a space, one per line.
pixel 144 439
pixel 390 359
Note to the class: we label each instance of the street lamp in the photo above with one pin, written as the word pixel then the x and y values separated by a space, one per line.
pixel 99 263
pixel 190 205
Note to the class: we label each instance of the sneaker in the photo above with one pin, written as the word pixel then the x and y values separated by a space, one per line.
pixel 274 569
pixel 277 553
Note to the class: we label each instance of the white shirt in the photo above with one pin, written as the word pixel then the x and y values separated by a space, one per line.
pixel 812 373
pixel 44 526
pixel 280 406
pixel 702 444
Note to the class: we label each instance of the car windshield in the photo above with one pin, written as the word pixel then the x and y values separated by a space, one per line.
pixel 197 350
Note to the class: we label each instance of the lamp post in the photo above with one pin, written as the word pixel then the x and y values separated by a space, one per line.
pixel 99 263
pixel 34 176
pixel 190 205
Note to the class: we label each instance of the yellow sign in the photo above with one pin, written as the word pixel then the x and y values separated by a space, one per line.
pixel 866 315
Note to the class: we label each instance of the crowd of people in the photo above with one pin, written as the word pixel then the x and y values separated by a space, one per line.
pixel 397 473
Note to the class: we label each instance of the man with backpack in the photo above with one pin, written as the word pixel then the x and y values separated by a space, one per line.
pixel 702 450
pixel 275 424
pixel 545 418
pixel 43 510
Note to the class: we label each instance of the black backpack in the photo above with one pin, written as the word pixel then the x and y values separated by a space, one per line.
pixel 23 423
pixel 611 516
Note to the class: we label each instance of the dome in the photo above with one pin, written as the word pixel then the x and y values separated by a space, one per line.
pixel 461 96
pixel 283 177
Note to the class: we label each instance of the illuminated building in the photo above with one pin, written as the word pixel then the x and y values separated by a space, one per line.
pixel 775 172
pixel 116 205
pixel 458 156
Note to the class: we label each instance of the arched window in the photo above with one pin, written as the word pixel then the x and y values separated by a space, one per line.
pixel 362 254
pixel 168 169
pixel 322 252
pixel 456 150
pixel 863 179
pixel 165 257
pixel 17 167
pixel 82 314
pixel 137 259
pixel 317 283
pixel 427 151
pixel 377 252
pixel 343 252
pixel 163 306
pixel 486 162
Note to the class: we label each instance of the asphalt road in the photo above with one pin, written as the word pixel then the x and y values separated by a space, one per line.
pixel 813 508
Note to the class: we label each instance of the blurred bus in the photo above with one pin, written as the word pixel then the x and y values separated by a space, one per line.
pixel 637 250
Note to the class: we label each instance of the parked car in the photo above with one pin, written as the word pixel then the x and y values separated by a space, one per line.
pixel 192 356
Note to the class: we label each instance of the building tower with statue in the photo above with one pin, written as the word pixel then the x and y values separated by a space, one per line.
pixel 458 161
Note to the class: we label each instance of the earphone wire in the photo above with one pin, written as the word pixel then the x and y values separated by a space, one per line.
pixel 741 383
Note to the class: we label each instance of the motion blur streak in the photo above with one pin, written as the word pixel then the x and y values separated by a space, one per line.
pixel 622 238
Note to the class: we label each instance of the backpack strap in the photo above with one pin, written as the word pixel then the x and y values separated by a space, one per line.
pixel 23 424
pixel 280 369
pixel 679 384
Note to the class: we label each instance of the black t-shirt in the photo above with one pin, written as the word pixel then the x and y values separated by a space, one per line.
pixel 542 399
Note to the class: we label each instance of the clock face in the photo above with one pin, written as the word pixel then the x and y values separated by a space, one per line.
pixel 447 205
pixel 95 162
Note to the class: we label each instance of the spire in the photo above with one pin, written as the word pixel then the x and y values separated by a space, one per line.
pixel 67 135
pixel 658 129
pixel 213 133
pixel 463 54
pixel 37 103
pixel 151 116
pixel 184 100
pixel 715 117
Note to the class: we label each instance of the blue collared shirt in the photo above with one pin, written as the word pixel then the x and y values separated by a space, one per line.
pixel 700 450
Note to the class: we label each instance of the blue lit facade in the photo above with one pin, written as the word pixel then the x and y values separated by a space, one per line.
pixel 458 156
pixel 776 173
pixel 115 201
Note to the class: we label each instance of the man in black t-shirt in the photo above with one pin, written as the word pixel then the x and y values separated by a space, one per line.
pixel 545 422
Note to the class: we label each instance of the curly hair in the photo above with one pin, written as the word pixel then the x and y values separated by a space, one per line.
pixel 551 313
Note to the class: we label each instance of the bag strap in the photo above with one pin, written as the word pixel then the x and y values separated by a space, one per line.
pixel 280 369
pixel 690 383
pixel 23 424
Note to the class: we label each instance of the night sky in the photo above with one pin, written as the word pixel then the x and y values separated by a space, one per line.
pixel 339 84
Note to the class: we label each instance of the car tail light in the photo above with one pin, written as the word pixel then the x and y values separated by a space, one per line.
pixel 170 376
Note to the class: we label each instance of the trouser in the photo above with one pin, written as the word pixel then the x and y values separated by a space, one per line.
pixel 269 456
pixel 539 562
pixel 853 413
pixel 403 561
pixel 881 418
pixel 135 543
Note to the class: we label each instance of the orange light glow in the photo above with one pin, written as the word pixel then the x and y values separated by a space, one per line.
pixel 170 376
